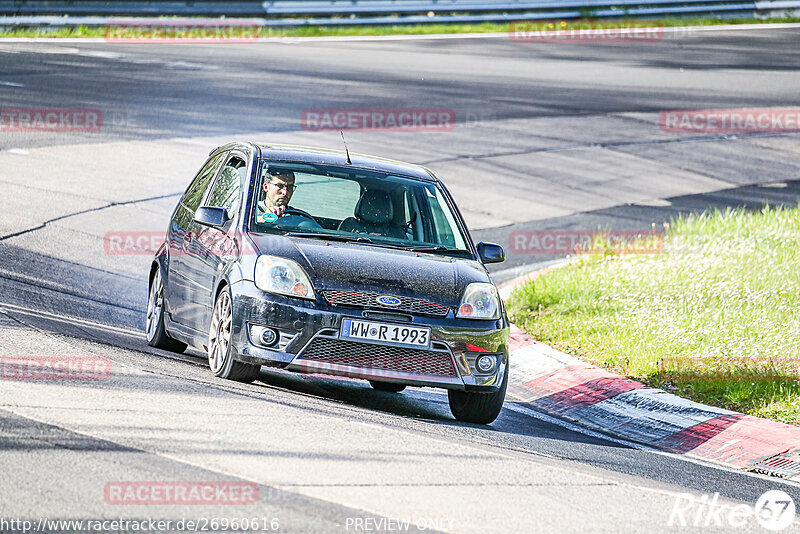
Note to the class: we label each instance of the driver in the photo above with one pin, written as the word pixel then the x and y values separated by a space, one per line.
pixel 278 188
pixel 275 209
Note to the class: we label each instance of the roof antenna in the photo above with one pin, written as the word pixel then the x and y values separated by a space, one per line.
pixel 345 148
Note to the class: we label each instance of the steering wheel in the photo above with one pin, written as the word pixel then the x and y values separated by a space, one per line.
pixel 299 213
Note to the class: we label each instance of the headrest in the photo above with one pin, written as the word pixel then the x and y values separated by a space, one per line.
pixel 374 207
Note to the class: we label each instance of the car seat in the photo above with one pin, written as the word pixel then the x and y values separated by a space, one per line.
pixel 374 215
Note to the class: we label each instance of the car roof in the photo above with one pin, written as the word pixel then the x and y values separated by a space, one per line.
pixel 326 156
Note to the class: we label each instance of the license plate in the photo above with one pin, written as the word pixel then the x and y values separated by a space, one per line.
pixel 387 334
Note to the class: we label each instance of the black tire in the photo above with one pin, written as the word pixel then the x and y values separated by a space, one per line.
pixel 154 321
pixel 220 349
pixel 480 408
pixel 387 386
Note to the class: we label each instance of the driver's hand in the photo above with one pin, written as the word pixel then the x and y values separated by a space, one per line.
pixel 277 210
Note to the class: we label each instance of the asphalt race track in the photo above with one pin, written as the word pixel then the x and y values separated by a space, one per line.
pixel 547 136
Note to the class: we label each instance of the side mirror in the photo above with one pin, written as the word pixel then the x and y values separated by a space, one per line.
pixel 491 253
pixel 213 217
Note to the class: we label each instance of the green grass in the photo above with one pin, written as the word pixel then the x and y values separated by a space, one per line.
pixel 398 29
pixel 714 316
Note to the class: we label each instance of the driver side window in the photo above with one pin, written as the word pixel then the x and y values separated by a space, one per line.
pixel 227 190
pixel 194 194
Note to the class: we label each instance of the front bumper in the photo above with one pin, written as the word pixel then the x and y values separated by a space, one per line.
pixel 309 342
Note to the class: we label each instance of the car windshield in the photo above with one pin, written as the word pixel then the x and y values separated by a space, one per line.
pixel 347 204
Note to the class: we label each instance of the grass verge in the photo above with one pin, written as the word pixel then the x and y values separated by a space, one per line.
pixel 714 315
pixel 398 29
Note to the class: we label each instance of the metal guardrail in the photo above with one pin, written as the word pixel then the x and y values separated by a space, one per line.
pixel 373 12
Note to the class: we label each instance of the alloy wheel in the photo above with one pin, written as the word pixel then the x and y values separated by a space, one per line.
pixel 220 333
pixel 155 306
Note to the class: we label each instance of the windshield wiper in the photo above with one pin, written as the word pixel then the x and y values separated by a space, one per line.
pixel 347 239
pixel 332 237
pixel 386 245
pixel 438 248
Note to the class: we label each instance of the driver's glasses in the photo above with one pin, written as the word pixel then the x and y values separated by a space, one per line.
pixel 289 188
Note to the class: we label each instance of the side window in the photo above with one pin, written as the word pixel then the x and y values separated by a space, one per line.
pixel 194 195
pixel 444 234
pixel 227 190
pixel 444 224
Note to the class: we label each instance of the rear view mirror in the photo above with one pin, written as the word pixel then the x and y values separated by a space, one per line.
pixel 213 217
pixel 491 253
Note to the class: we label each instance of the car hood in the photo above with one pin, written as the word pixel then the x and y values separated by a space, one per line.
pixel 349 266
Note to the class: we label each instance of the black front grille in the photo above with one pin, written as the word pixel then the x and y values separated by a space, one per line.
pixel 379 357
pixel 362 299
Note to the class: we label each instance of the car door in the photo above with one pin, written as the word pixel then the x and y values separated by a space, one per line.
pixel 210 248
pixel 179 288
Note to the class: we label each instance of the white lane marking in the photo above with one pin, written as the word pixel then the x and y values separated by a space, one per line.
pixel 12 84
pixel 70 320
pixel 101 54
pixel 39 49
pixel 727 444
pixel 655 202
pixel 18 151
pixel 445 36
pixel 57 40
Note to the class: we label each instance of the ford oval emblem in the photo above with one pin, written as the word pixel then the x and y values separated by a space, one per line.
pixel 388 300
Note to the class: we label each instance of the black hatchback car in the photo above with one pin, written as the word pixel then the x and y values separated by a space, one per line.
pixel 314 261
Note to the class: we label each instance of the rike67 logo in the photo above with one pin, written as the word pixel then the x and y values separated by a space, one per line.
pixel 774 510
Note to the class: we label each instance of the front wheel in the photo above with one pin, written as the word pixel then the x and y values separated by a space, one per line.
pixel 156 333
pixel 480 408
pixel 220 348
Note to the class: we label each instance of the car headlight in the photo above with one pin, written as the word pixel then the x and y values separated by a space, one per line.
pixel 480 301
pixel 282 276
